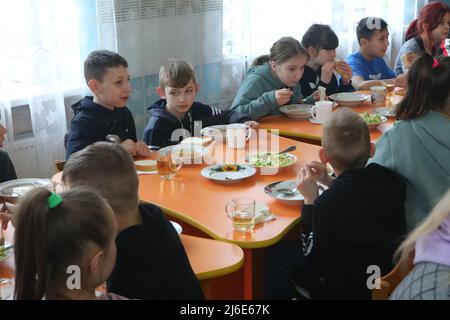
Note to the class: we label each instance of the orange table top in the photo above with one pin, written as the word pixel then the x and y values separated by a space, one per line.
pixel 209 258
pixel 200 202
pixel 303 128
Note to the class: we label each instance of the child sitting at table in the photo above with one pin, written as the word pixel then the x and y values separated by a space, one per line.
pixel 424 34
pixel 176 115
pixel 64 245
pixel 151 260
pixel 106 75
pixel 321 43
pixel 355 224
pixel 418 146
pixel 429 242
pixel 368 65
pixel 273 80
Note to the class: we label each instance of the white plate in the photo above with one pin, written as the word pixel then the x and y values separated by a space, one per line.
pixel 297 111
pixel 19 187
pixel 387 112
pixel 8 251
pixel 272 190
pixel 349 99
pixel 228 173
pixel 314 121
pixel 177 227
pixel 218 132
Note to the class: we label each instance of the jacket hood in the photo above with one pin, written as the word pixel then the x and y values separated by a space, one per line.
pixel 433 131
pixel 158 110
pixel 264 71
pixel 383 193
pixel 87 103
pixel 376 182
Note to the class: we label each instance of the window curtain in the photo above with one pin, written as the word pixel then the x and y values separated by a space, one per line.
pixel 39 61
pixel 252 26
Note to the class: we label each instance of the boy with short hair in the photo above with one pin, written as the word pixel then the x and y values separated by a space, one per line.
pixel 105 113
pixel 368 65
pixel 173 116
pixel 151 261
pixel 355 224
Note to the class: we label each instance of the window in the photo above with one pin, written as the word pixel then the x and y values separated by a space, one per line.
pixel 250 27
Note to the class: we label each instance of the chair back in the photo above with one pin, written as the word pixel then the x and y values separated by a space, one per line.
pixel 389 282
pixel 59 165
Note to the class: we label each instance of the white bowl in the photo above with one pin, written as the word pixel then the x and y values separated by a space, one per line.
pixel 375 125
pixel 253 157
pixel 188 153
pixel 349 99
pixel 218 132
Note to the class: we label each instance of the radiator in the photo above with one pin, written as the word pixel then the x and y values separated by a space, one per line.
pixel 24 156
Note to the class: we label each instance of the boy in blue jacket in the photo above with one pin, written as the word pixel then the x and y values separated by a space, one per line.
pixel 172 118
pixel 105 113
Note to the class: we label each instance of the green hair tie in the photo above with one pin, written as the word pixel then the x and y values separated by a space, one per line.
pixel 54 200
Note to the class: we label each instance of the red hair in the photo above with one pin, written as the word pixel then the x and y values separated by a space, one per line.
pixel 431 15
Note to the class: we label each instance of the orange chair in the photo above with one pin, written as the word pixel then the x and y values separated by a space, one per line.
pixel 389 282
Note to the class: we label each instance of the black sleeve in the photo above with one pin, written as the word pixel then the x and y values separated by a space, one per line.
pixel 80 135
pixel 226 117
pixel 131 126
pixel 316 232
pixel 159 138
pixel 331 87
pixel 7 170
pixel 345 88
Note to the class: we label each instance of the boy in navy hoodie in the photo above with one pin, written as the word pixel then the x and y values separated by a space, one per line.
pixel 105 113
pixel 172 118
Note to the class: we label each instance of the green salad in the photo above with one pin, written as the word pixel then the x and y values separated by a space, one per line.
pixel 371 118
pixel 271 160
pixel 2 252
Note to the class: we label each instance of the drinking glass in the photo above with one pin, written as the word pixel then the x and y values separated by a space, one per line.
pixel 168 163
pixel 242 212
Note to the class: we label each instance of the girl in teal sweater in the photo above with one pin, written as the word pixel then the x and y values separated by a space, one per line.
pixel 418 146
pixel 273 80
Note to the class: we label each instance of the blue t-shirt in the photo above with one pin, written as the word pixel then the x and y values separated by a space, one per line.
pixel 369 70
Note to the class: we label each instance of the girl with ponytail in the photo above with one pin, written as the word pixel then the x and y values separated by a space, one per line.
pixel 64 245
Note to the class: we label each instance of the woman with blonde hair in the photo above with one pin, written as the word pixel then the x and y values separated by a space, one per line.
pixel 430 278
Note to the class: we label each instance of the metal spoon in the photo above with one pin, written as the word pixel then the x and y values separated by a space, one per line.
pixel 291 148
pixel 288 192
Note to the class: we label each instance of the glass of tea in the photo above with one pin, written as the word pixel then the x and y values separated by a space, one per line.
pixel 168 163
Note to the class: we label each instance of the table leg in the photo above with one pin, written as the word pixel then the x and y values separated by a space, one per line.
pixel 248 274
